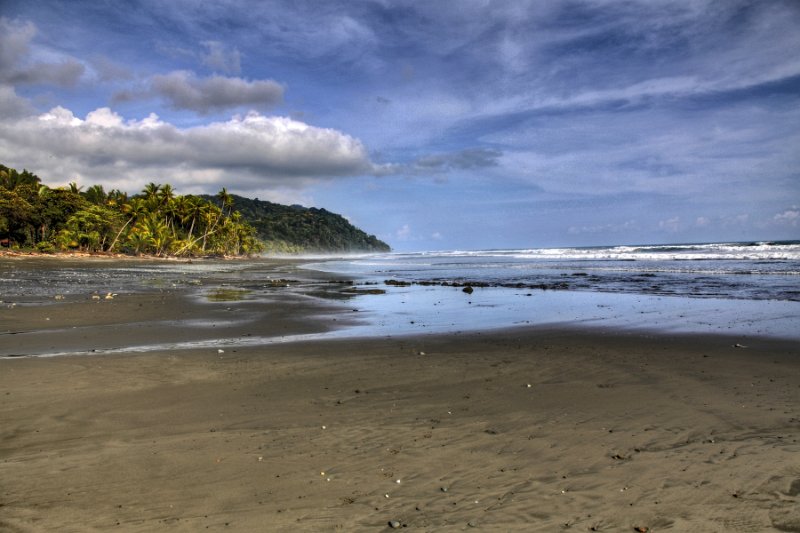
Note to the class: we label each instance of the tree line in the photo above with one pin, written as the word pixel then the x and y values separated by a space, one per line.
pixel 295 228
pixel 154 222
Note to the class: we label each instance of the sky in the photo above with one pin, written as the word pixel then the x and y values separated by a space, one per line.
pixel 434 125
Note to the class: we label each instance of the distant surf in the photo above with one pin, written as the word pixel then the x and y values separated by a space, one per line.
pixel 766 270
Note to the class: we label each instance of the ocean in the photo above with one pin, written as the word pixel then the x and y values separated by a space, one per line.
pixel 741 290
pixel 742 270
pixel 745 289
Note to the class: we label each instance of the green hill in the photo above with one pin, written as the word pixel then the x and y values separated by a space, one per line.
pixel 159 222
pixel 302 229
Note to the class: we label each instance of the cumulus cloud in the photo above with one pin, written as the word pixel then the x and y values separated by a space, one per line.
pixel 11 105
pixel 18 65
pixel 184 90
pixel 247 152
pixel 790 217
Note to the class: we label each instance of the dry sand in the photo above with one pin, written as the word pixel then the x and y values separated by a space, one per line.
pixel 523 430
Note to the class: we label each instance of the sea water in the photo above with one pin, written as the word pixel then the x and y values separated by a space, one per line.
pixel 747 289
pixel 742 289
pixel 751 271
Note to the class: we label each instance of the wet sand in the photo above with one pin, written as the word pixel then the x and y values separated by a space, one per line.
pixel 534 429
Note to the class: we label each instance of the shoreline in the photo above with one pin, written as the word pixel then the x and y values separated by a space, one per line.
pixel 215 315
pixel 33 254
pixel 80 308
pixel 531 430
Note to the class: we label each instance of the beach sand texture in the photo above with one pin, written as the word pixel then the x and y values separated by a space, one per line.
pixel 520 430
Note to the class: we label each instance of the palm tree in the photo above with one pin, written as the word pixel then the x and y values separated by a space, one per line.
pixel 166 194
pixel 135 209
pixel 159 233
pixel 226 200
pixel 139 239
pixel 171 212
pixel 191 210
pixel 117 197
pixel 96 194
pixel 211 216
pixel 11 179
pixel 151 194
pixel 8 178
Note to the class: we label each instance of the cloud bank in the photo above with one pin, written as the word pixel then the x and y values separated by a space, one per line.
pixel 246 152
pixel 251 151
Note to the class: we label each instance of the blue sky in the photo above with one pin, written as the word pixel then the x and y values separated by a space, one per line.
pixel 434 125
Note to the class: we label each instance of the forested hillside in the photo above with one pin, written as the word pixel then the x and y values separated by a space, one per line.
pixel 159 222
pixel 302 229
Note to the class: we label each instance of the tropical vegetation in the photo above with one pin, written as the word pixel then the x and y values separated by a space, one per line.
pixel 159 222
pixel 155 222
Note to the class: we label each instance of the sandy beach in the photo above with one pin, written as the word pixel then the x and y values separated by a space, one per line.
pixel 528 429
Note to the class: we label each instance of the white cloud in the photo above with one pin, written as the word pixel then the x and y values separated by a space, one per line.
pixel 184 90
pixel 790 217
pixel 249 152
